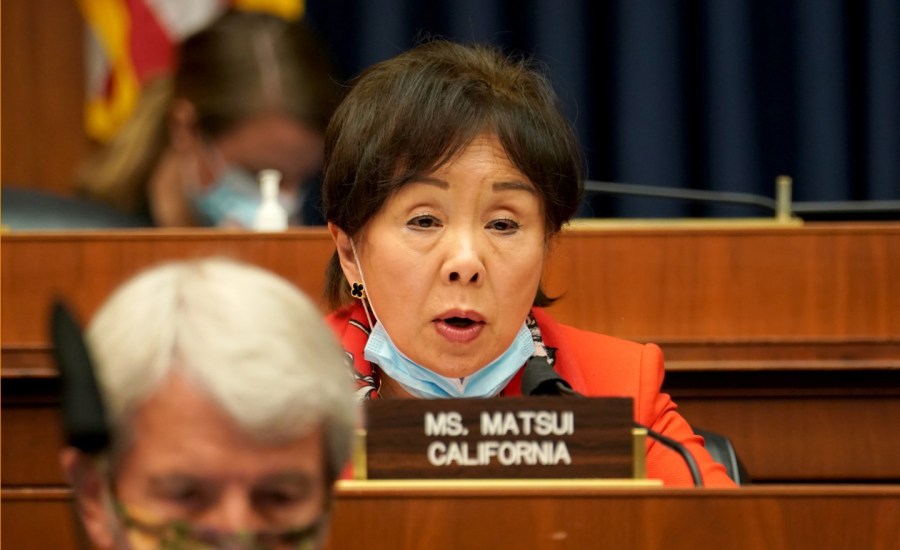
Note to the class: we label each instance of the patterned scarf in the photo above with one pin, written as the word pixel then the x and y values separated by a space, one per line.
pixel 368 376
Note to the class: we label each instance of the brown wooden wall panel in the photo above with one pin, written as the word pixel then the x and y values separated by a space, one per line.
pixel 782 518
pixel 779 439
pixel 803 375
pixel 819 283
pixel 774 518
pixel 42 519
pixel 32 439
pixel 796 438
pixel 814 282
pixel 85 267
pixel 42 65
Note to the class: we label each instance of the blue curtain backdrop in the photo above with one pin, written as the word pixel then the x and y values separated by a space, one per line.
pixel 717 94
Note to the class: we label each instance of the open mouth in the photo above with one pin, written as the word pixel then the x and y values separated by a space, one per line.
pixel 460 327
pixel 459 322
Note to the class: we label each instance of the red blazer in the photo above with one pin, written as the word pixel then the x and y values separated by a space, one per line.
pixel 595 365
pixel 599 365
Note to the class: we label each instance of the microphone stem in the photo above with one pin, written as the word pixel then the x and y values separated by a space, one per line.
pixel 680 449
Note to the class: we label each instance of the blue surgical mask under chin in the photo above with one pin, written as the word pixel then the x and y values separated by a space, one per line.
pixel 426 384
pixel 232 199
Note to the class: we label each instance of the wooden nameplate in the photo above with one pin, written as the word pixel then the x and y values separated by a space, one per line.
pixel 505 438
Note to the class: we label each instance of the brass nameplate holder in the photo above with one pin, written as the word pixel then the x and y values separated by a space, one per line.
pixel 508 438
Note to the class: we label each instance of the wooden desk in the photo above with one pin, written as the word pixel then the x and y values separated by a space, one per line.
pixel 707 293
pixel 770 518
pixel 790 518
pixel 785 339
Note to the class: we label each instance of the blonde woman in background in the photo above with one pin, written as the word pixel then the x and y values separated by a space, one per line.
pixel 249 92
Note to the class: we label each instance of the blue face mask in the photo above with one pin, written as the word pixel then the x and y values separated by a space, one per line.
pixel 426 384
pixel 231 200
pixel 234 198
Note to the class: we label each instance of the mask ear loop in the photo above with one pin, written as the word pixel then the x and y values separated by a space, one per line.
pixel 215 159
pixel 366 303
pixel 112 507
pixel 216 165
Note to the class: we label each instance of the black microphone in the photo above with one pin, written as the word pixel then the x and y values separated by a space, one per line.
pixel 678 448
pixel 83 412
pixel 539 378
pixel 698 195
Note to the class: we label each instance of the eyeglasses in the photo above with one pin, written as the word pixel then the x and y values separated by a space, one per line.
pixel 181 535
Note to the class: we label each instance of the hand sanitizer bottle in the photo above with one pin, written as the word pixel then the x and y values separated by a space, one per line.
pixel 270 216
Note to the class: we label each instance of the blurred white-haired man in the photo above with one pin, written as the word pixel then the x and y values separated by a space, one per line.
pixel 229 409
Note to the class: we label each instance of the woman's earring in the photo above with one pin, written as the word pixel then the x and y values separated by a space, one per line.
pixel 358 291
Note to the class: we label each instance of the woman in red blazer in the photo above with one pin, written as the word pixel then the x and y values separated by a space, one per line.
pixel 449 169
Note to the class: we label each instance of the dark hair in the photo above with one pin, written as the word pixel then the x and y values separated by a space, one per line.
pixel 408 115
pixel 247 62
